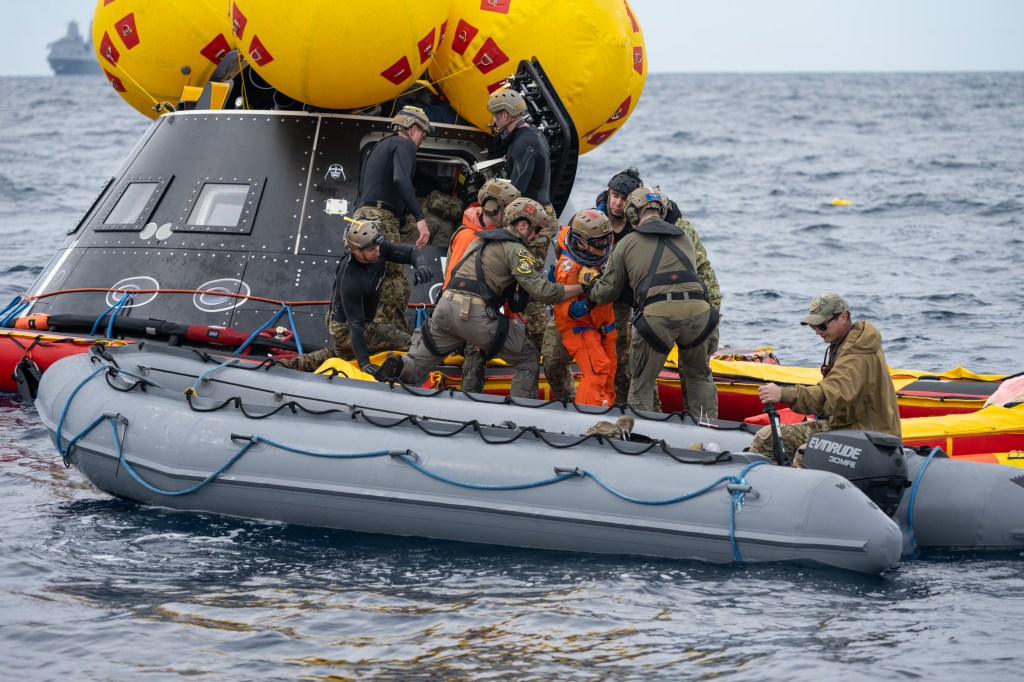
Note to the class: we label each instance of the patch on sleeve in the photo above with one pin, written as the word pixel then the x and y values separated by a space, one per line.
pixel 525 266
pixel 566 265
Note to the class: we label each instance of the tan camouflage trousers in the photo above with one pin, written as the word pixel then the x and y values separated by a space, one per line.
pixel 557 364
pixel 394 292
pixel 624 336
pixel 379 337
pixel 559 375
pixel 794 438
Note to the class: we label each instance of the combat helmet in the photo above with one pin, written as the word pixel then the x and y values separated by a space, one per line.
pixel 409 117
pixel 592 228
pixel 626 182
pixel 526 209
pixel 508 100
pixel 644 198
pixel 363 234
pixel 495 195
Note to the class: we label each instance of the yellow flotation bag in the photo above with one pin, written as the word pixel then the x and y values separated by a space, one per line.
pixel 592 51
pixel 336 54
pixel 149 51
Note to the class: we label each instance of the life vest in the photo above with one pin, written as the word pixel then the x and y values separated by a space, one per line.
pixel 472 223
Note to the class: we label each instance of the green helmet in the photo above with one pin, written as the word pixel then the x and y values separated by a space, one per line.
pixel 495 195
pixel 409 117
pixel 526 209
pixel 363 234
pixel 644 198
pixel 591 224
pixel 508 100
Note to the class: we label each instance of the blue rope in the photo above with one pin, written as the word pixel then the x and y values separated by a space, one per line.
pixel 295 329
pixel 63 413
pixel 110 326
pixel 269 322
pixel 737 497
pixel 913 496
pixel 176 493
pixel 15 307
pixel 202 377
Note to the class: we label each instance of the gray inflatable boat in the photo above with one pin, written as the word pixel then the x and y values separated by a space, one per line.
pixel 185 430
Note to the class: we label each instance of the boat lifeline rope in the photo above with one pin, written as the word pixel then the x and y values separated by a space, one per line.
pixel 737 485
pixel 433 426
pixel 913 496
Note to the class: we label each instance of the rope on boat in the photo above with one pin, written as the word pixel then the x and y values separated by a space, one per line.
pixel 116 308
pixel 13 309
pixel 285 308
pixel 738 489
pixel 205 376
pixel 424 424
pixel 738 484
pixel 913 496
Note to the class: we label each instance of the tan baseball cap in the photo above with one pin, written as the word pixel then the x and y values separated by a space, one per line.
pixel 824 307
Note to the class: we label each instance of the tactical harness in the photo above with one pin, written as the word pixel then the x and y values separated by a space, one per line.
pixel 653 279
pixel 514 297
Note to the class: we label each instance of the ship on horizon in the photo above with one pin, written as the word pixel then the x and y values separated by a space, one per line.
pixel 72 55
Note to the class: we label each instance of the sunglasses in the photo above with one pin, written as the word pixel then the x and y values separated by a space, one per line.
pixel 824 325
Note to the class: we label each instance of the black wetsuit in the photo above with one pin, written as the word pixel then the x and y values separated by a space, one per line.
pixel 387 175
pixel 357 291
pixel 527 164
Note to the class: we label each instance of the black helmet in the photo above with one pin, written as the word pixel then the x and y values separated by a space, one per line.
pixel 625 182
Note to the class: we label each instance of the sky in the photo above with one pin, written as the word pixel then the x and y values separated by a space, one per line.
pixel 709 35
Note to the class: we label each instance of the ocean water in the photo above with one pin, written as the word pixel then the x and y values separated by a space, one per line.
pixel 929 250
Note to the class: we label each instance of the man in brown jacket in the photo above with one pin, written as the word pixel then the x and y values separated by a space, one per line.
pixel 855 391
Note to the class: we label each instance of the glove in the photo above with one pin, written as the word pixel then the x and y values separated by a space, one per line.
pixel 371 369
pixel 578 309
pixel 422 275
pixel 587 278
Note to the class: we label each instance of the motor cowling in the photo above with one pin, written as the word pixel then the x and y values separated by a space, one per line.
pixel 872 461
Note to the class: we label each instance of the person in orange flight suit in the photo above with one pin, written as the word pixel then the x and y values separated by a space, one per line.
pixel 590 337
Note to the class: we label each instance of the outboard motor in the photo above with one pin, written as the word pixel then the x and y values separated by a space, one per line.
pixel 870 460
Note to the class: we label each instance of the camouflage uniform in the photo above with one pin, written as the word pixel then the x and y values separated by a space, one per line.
pixel 395 290
pixel 558 372
pixel 706 273
pixel 557 364
pixel 794 438
pixel 464 318
pixel 380 336
pixel 442 212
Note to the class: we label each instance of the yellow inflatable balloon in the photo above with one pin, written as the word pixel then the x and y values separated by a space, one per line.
pixel 592 50
pixel 339 54
pixel 150 50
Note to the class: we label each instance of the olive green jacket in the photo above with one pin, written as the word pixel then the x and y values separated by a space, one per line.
pixel 857 390
pixel 631 260
pixel 506 261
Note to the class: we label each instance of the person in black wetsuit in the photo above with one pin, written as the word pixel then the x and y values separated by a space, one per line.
pixel 527 164
pixel 354 331
pixel 386 192
pixel 528 168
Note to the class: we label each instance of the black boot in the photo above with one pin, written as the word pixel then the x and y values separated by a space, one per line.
pixel 391 368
